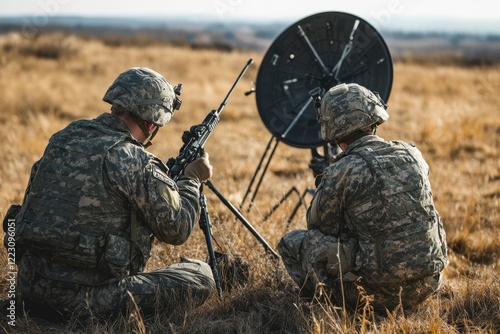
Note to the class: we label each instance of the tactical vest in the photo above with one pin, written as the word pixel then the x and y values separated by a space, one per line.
pixel 399 230
pixel 73 219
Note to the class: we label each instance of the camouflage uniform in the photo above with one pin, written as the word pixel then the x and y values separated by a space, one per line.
pixel 371 224
pixel 94 202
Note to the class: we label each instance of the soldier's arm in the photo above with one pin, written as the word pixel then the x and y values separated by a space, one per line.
pixel 325 211
pixel 169 209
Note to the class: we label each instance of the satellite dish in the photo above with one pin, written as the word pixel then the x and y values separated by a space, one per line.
pixel 321 50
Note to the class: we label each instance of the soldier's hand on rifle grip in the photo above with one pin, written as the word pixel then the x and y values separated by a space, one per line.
pixel 200 169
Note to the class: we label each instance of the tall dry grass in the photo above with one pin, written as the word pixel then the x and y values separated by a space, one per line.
pixel 450 112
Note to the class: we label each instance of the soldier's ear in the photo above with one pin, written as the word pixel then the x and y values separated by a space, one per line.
pixel 150 126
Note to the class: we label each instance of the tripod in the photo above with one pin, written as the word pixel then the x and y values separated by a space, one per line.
pixel 206 227
pixel 318 163
pixel 241 218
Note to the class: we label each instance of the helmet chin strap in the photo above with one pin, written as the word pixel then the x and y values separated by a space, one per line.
pixel 142 125
pixel 149 135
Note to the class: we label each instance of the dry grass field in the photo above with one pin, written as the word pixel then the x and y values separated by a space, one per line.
pixel 449 111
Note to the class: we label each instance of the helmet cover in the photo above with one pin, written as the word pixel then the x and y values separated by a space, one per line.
pixel 347 108
pixel 144 93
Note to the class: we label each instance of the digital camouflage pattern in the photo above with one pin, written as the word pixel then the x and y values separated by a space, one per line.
pixel 75 222
pixel 347 108
pixel 378 193
pixel 145 93
pixel 315 257
pixel 181 285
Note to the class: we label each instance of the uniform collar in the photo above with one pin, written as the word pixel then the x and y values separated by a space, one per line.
pixel 113 122
pixel 357 143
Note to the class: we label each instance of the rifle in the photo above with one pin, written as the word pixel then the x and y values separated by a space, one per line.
pixel 197 136
pixel 194 141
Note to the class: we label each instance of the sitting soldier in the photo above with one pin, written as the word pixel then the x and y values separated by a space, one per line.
pixel 372 221
pixel 94 203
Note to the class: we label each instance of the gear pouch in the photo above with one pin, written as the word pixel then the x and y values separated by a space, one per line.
pixel 116 257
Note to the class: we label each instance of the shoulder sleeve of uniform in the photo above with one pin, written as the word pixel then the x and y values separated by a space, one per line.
pixel 169 209
pixel 417 155
pixel 159 163
pixel 160 172
pixel 172 208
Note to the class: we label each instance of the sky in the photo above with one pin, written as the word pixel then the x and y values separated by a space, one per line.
pixel 411 15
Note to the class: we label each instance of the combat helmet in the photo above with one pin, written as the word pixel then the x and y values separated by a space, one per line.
pixel 146 94
pixel 349 108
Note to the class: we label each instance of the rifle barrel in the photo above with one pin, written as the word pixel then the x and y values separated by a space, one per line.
pixel 223 104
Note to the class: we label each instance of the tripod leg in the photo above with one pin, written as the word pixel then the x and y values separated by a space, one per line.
pixel 207 231
pixel 241 218
pixel 262 176
pixel 259 166
pixel 292 190
pixel 297 206
pixel 256 172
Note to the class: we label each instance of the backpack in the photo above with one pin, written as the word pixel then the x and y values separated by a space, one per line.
pixel 11 241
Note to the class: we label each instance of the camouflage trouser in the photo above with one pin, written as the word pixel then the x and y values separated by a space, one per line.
pixel 188 283
pixel 310 258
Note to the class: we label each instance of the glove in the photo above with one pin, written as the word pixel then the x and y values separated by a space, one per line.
pixel 318 165
pixel 200 169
